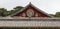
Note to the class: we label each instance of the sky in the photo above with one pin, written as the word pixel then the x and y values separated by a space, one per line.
pixel 48 6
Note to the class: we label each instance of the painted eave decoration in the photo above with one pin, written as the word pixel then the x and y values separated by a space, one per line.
pixel 30 11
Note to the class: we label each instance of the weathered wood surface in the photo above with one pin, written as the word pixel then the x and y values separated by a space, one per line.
pixel 30 22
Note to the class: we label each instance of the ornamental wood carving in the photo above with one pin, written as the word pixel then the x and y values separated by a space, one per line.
pixel 30 13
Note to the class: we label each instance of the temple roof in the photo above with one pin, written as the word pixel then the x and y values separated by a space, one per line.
pixel 30 4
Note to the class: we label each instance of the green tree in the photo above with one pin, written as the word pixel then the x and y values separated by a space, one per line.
pixel 11 12
pixel 57 14
pixel 52 15
pixel 17 8
pixel 3 12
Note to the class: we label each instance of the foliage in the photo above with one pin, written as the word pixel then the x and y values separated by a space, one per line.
pixel 52 15
pixel 15 9
pixel 57 14
pixel 4 12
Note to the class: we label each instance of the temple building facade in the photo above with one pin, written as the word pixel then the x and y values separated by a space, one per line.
pixel 30 11
pixel 29 16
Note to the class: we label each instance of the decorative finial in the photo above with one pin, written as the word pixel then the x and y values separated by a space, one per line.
pixel 30 2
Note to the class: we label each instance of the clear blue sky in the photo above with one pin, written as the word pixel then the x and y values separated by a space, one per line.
pixel 49 6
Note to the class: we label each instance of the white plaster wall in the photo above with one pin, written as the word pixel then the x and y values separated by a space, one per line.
pixel 29 23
